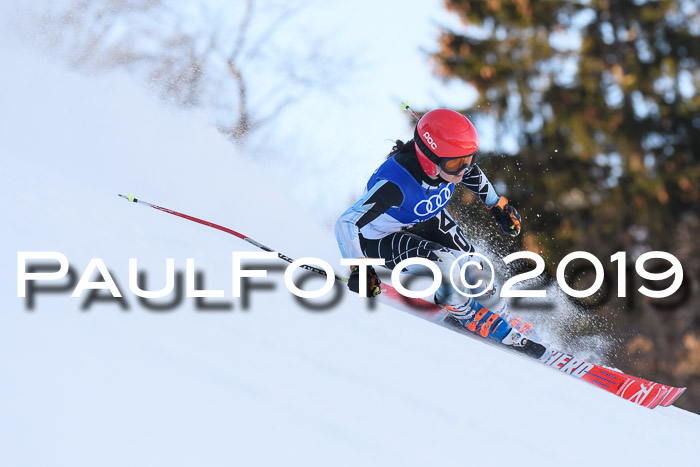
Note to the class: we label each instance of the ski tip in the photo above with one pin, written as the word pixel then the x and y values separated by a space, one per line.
pixel 671 397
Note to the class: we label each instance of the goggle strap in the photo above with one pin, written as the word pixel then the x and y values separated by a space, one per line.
pixel 424 148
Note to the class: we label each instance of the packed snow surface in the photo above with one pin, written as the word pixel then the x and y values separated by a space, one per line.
pixel 276 384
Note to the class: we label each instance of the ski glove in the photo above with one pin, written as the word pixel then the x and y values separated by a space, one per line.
pixel 506 216
pixel 372 285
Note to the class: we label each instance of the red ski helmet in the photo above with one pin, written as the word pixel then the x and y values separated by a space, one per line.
pixel 444 140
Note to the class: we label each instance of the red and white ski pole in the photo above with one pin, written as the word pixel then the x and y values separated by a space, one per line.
pixel 406 106
pixel 281 256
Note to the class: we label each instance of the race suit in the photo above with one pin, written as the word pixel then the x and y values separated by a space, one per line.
pixel 402 215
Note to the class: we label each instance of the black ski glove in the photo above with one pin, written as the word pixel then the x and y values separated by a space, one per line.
pixel 372 285
pixel 507 217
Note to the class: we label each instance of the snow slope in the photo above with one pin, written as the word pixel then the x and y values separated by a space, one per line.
pixel 276 384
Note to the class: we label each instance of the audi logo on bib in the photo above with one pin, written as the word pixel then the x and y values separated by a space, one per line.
pixel 435 203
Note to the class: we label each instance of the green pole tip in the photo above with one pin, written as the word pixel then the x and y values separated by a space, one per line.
pixel 130 197
pixel 405 105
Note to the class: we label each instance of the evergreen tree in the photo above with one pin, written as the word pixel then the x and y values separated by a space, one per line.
pixel 602 98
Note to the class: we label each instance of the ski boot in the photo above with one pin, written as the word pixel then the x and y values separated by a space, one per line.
pixel 486 323
pixel 478 319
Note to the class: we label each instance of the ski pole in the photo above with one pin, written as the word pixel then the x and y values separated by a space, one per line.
pixel 286 258
pixel 406 106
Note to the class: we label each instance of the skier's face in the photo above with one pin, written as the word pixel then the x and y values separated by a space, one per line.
pixel 453 178
pixel 456 178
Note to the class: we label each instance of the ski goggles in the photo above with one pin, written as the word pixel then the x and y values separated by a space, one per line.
pixel 455 165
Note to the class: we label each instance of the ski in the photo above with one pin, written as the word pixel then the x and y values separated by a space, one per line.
pixel 636 390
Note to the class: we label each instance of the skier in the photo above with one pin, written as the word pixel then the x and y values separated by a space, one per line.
pixel 402 215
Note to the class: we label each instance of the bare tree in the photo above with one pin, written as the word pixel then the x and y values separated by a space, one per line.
pixel 228 58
